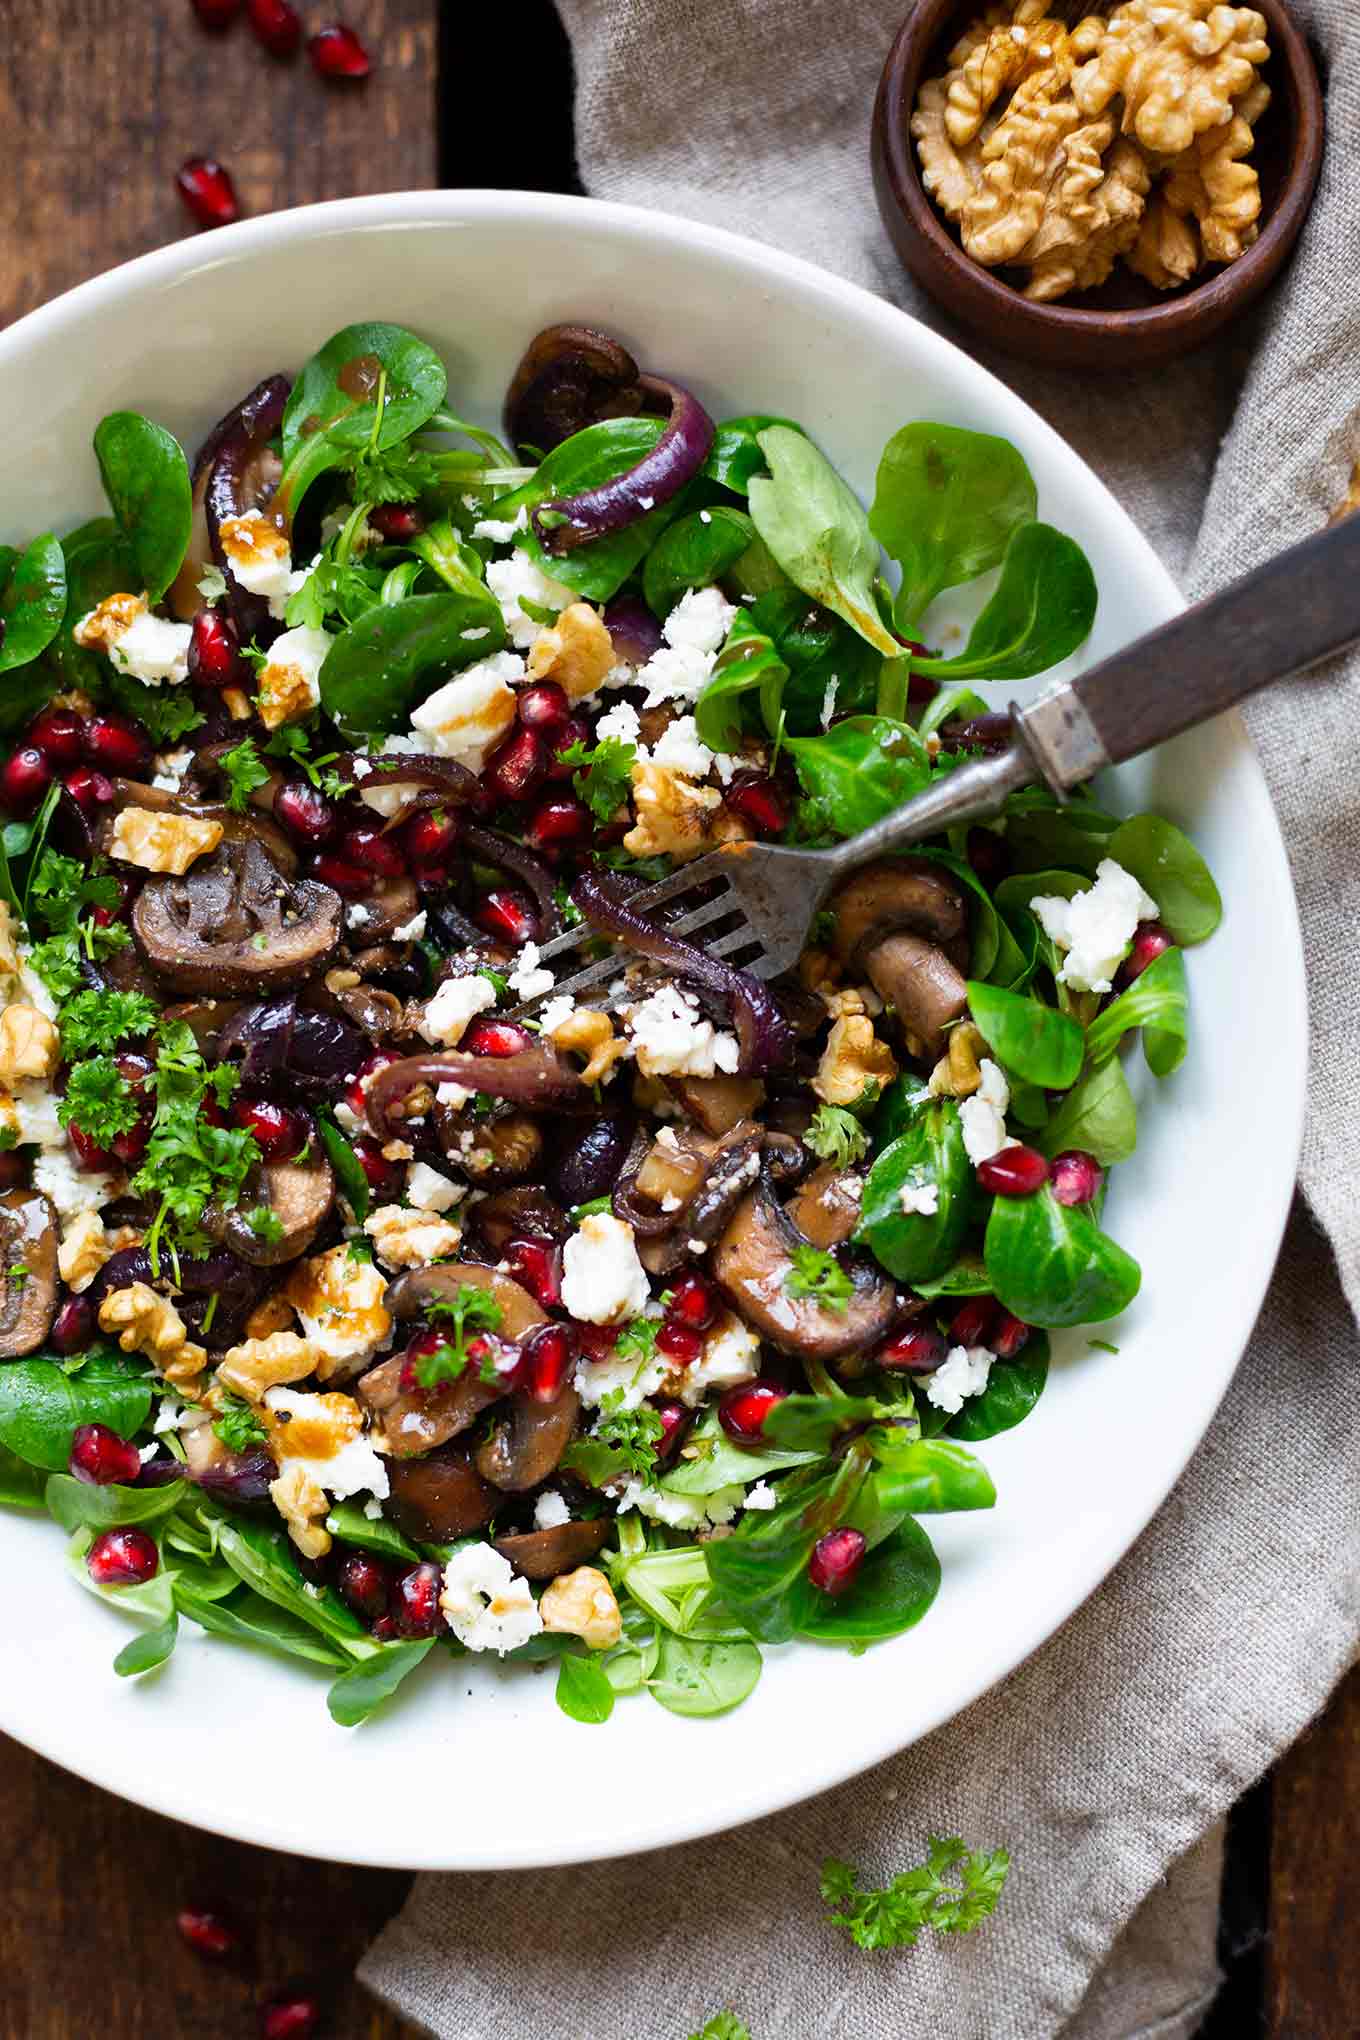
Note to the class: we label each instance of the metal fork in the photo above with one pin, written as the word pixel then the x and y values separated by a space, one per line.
pixel 752 904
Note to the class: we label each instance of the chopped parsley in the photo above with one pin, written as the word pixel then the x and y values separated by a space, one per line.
pixel 99 1101
pixel 190 1163
pixel 18 1274
pixel 820 1276
pixel 168 713
pixel 212 584
pixel 238 1425
pixel 265 1224
pixel 62 887
pixel 604 776
pixel 393 474
pixel 924 1897
pixel 633 1434
pixel 723 2026
pixel 100 1020
pixel 292 742
pixel 334 588
pixel 637 1340
pixel 835 1135
pixel 244 770
pixel 470 1310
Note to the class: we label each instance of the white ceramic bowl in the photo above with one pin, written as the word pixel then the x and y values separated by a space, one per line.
pixel 496 1776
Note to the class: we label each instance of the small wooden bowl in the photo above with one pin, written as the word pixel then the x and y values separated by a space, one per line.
pixel 1126 323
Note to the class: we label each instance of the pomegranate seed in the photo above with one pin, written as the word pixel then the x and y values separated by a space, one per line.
pixel 420 1348
pixel 544 707
pixel 679 1341
pixel 118 744
pixel 537 1264
pixel 1150 942
pixel 214 649
pixel 291 2018
pixel 129 1148
pixel 278 1132
pixel 207 1933
pixel 988 855
pixel 742 1411
pixel 973 1321
pixel 694 1301
pixel 560 824
pixel 384 1177
pixel 351 881
pixel 415 1600
pixel 358 1094
pixel 496 1038
pixel 575 730
pixel 304 811
pixel 921 689
pixel 87 1152
pixel 1010 1335
pixel 517 767
pixel 918 1350
pixel 1015 1172
pixel 675 1422
pixel 72 1327
pixel 429 839
pixel 755 797
pixel 59 733
pixel 395 521
pixel 276 24
pixel 836 1560
pixel 336 52
pixel 122 1558
pixel 89 789
pixel 100 1457
pixel 548 1358
pixel 385 1630
pixel 508 915
pixel 24 780
pixel 370 847
pixel 1076 1176
pixel 207 190
pixel 364 1581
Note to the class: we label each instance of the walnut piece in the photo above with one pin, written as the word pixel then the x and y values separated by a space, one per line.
pixel 30 1045
pixel 410 1239
pixel 1213 183
pixel 149 1323
pixel 259 1364
pixel 162 842
pixel 675 818
pixel 85 1247
pixel 1067 258
pixel 287 693
pixel 576 651
pixel 275 1314
pixel 592 1034
pixel 950 174
pixel 994 62
pixel 582 1603
pixel 853 1058
pixel 304 1507
pixel 1167 250
pixel 102 628
pixel 1177 64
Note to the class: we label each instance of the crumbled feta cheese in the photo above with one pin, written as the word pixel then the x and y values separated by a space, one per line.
pixel 555 1011
pixel 347 1119
pixel 603 1281
pixel 516 578
pixel 761 1496
pixel 682 1512
pixel 962 1372
pixel 634 1379
pixel 71 1190
pixel 527 979
pixel 550 1511
pixel 919 1196
pixel 290 679
pixel 621 721
pixel 152 650
pixel 731 1355
pixel 671 1038
pixel 171 767
pixel 728 764
pixel 351 1468
pixel 487 1605
pixel 455 1003
pixel 679 747
pixel 467 717
pixel 675 673
pixel 259 558
pixel 501 530
pixel 358 916
pixel 983 1116
pixel 701 618
pixel 429 1191
pixel 1096 926
pixel 412 930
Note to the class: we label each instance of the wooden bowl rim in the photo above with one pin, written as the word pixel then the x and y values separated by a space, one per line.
pixel 984 292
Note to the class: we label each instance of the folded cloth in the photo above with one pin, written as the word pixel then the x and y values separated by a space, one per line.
pixel 1108 1760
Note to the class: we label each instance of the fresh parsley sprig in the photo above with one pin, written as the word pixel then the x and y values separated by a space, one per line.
pixel 633 1434
pixel 604 774
pixel 293 743
pixel 835 1135
pixel 819 1276
pixel 98 1021
pixel 244 770
pixel 952 1892
pixel 190 1163
pixel 99 1101
pixel 469 1311
pixel 238 1425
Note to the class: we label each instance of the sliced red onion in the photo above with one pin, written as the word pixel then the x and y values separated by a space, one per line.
pixel 493 848
pixel 417 768
pixel 237 450
pixel 536 1078
pixel 676 458
pixel 570 377
pixel 633 631
pixel 764 1034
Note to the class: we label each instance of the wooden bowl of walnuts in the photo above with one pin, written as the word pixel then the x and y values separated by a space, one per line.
pixel 1107 189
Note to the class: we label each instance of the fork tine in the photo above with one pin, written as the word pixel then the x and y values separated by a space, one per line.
pixel 716 910
pixel 690 877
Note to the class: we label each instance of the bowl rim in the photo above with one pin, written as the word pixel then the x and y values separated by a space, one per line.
pixel 776 1790
pixel 1204 305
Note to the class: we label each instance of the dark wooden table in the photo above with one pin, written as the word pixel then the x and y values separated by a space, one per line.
pixel 100 100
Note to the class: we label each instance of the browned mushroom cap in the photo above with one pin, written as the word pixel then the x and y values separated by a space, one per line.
pixel 526 1448
pixel 753 1259
pixel 412 1292
pixel 299 1194
pixel 717 1104
pixel 513 1214
pixel 235 925
pixel 28 1271
pixel 924 989
pixel 415 1420
pixel 505 1149
pixel 825 1208
pixel 570 376
pixel 389 906
pixel 440 1497
pixel 542 1554
pixel 876 902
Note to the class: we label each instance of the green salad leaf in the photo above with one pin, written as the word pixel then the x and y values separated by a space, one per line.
pixel 815 526
pixel 946 505
pixel 33 603
pixel 1051 1264
pixel 146 479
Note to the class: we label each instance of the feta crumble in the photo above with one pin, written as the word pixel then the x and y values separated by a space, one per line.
pixel 671 1038
pixel 353 1469
pixel 501 530
pixel 1096 927
pixel 731 1355
pixel 983 1116
pixel 152 650
pixel 528 979
pixel 487 1606
pixel 429 1191
pixel 412 930
pixel 680 748
pixel 916 1195
pixel 682 1512
pixel 962 1372
pixel 621 722
pixel 550 1511
pixel 457 1001
pixel 467 717
pixel 603 1281
pixel 516 579
pixel 761 1496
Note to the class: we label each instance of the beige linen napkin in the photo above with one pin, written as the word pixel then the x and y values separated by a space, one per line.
pixel 1108 1760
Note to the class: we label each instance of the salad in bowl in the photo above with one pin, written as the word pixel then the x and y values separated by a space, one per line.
pixel 368 1296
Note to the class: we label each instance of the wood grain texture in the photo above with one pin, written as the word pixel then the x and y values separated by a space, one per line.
pixel 101 101
pixel 1313 1954
pixel 88 1944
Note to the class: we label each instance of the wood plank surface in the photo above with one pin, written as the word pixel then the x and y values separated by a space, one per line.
pixel 1313 1951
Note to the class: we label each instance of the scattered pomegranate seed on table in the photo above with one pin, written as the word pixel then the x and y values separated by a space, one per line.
pixel 336 52
pixel 207 190
pixel 278 25
pixel 207 1932
pixel 122 1558
pixel 217 13
pixel 836 1559
pixel 291 2018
